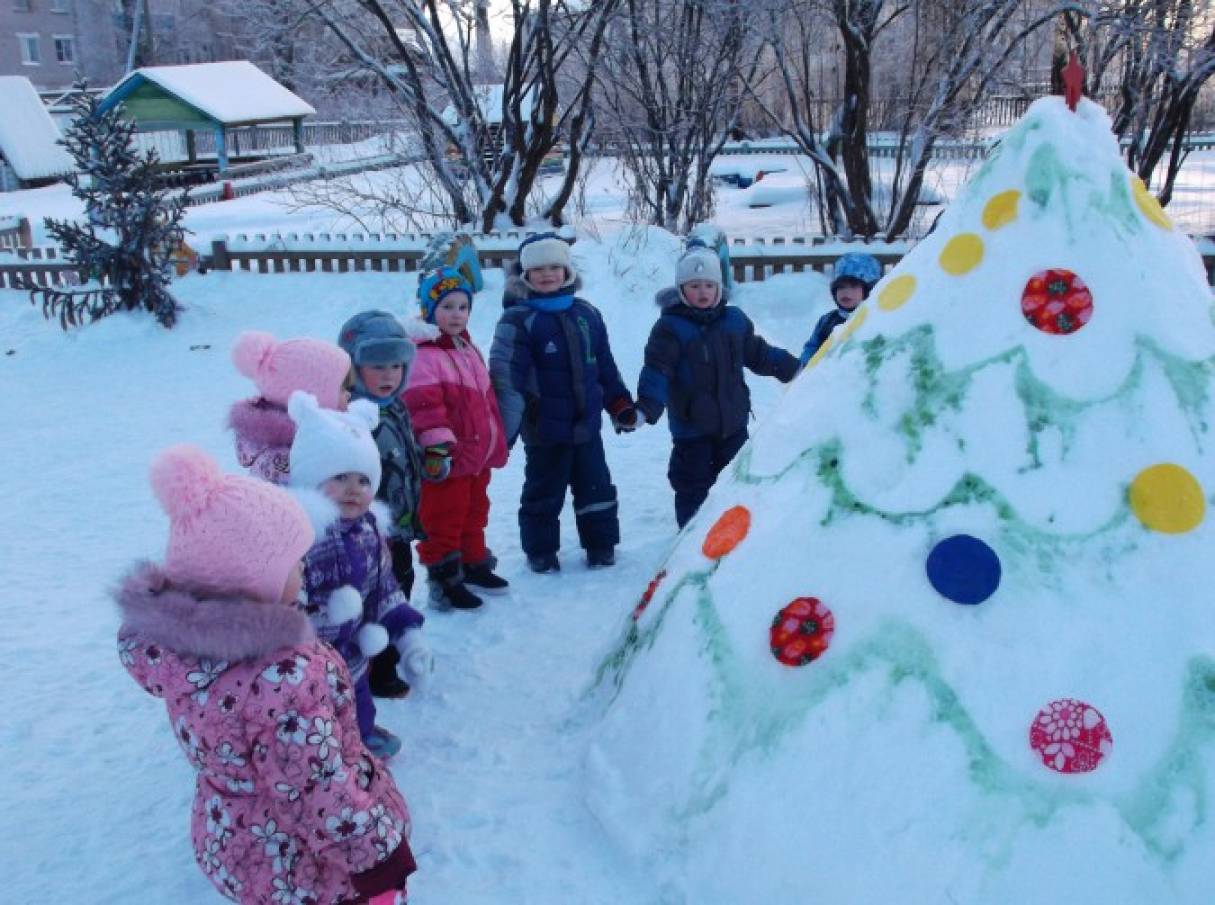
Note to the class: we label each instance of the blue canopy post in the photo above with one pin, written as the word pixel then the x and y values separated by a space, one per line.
pixel 221 150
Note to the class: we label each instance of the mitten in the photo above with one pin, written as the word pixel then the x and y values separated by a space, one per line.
pixel 436 462
pixel 626 421
pixel 417 662
pixel 372 638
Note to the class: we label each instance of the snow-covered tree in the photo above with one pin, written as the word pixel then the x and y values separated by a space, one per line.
pixel 484 143
pixel 950 55
pixel 672 84
pixel 1157 55
pixel 132 224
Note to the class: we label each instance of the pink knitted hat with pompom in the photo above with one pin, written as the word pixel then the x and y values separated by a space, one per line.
pixel 227 533
pixel 281 368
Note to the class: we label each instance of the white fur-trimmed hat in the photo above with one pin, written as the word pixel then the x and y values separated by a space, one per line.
pixel 698 264
pixel 546 249
pixel 329 443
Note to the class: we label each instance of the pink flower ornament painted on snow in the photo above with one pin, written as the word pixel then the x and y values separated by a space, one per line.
pixel 1070 736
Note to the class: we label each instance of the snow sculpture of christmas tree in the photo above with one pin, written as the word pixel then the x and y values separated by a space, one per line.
pixel 945 633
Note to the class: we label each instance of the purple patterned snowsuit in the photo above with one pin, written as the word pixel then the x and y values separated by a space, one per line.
pixel 355 553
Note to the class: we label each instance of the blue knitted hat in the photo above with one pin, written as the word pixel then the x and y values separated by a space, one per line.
pixel 436 285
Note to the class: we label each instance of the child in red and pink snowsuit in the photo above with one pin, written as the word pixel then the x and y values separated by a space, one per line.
pixel 456 421
pixel 289 806
pixel 263 430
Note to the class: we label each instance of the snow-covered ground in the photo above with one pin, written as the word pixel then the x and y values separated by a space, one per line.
pixel 96 797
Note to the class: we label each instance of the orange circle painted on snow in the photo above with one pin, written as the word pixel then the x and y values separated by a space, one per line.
pixel 896 293
pixel 961 254
pixel 727 532
pixel 1001 210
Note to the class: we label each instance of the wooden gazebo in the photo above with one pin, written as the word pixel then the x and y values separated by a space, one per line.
pixel 204 97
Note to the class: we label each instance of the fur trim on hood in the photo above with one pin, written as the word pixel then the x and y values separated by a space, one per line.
pixel 261 423
pixel 516 290
pixel 420 331
pixel 204 624
pixel 671 296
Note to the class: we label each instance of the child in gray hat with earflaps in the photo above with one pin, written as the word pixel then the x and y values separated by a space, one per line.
pixel 381 351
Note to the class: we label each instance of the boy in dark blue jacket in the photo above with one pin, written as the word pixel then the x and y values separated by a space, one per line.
pixel 554 374
pixel 694 363
pixel 854 275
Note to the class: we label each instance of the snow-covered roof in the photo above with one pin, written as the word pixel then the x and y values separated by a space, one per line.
pixel 489 100
pixel 231 92
pixel 28 135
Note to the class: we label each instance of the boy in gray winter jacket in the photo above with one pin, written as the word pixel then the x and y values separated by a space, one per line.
pixel 381 352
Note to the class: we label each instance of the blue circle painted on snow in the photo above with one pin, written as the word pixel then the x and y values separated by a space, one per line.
pixel 964 569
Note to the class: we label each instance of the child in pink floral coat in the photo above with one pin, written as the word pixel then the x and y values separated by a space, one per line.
pixel 263 430
pixel 289 806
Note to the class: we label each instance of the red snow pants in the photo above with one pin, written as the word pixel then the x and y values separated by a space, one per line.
pixel 454 514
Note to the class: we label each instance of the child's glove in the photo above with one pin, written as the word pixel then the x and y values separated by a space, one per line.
pixel 417 662
pixel 436 462
pixel 626 421
pixel 372 638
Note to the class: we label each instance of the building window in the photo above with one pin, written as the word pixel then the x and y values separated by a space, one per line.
pixel 21 6
pixel 65 49
pixel 31 54
pixel 60 6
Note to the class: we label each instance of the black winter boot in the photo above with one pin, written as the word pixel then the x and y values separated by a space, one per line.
pixel 384 681
pixel 544 562
pixel 481 576
pixel 600 556
pixel 447 590
pixel 402 564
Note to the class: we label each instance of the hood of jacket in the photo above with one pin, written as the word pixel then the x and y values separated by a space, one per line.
pixel 517 291
pixel 670 300
pixel 203 623
pixel 262 423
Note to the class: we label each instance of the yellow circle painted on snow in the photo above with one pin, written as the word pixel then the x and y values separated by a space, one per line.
pixel 961 254
pixel 895 293
pixel 1001 210
pixel 1148 205
pixel 1167 498
pixel 822 350
pixel 854 324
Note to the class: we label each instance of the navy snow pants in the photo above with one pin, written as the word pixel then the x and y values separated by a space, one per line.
pixel 550 469
pixel 695 465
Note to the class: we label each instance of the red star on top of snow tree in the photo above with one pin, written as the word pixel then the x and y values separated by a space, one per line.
pixel 1073 81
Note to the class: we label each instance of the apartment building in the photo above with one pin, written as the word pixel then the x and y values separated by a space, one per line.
pixel 54 42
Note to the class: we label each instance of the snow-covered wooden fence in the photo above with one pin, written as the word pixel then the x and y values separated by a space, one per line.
pixel 751 259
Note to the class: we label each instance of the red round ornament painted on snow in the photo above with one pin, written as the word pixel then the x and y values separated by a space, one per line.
pixel 649 594
pixel 1057 301
pixel 802 631
pixel 1070 736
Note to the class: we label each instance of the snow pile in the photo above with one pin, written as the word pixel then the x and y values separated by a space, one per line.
pixel 949 611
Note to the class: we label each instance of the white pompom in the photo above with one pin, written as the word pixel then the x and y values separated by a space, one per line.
pixel 344 605
pixel 372 639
